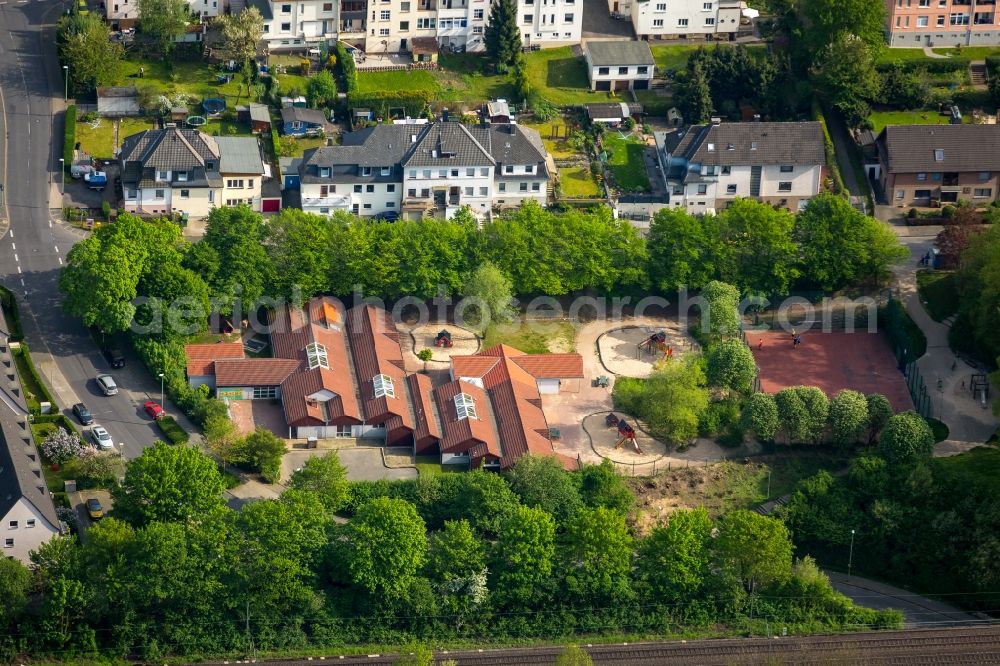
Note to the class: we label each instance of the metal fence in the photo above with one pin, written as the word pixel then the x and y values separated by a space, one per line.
pixel 657 466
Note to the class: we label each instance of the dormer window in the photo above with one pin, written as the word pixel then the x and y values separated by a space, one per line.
pixel 383 386
pixel 162 176
pixel 209 166
pixel 366 171
pixel 939 154
pixel 465 407
pixel 324 172
pixel 385 171
pixel 182 176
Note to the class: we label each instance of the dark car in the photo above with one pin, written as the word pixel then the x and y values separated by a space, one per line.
pixel 83 414
pixel 115 357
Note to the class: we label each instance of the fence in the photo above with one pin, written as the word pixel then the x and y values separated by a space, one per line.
pixel 906 358
pixel 656 466
pixel 918 390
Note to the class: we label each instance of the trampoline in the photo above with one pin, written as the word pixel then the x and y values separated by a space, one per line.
pixel 195 121
pixel 214 106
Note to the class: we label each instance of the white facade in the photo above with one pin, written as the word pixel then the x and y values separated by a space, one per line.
pixel 677 19
pixel 550 23
pixel 24 529
pixel 292 24
pixel 718 186
pixel 359 198
pixel 622 77
pixel 207 8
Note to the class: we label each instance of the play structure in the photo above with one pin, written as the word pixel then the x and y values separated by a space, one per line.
pixel 980 386
pixel 213 106
pixel 657 342
pixel 626 432
pixel 195 121
pixel 443 339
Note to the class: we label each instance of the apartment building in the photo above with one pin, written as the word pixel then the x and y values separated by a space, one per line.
pixel 550 23
pixel 425 170
pixel 292 25
pixel 123 14
pixel 706 167
pixel 917 23
pixel 393 25
pixel 923 165
pixel 685 19
pixel 185 171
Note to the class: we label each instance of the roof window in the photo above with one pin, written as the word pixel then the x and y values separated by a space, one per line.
pixel 465 407
pixel 939 154
pixel 383 386
pixel 316 356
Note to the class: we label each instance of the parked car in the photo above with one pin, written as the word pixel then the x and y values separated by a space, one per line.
pixel 102 438
pixel 94 509
pixel 107 384
pixel 83 414
pixel 80 170
pixel 114 356
pixel 154 410
pixel 96 180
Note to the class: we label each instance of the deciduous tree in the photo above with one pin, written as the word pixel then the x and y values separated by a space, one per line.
pixel 388 545
pixel 492 292
pixel 601 485
pixel 325 476
pixel 761 416
pixel 542 482
pixel 674 559
pixel 597 556
pixel 905 439
pixel 523 556
pixel 321 89
pixel 731 365
pixel 682 249
pixel 755 549
pixel 162 20
pixel 92 58
pixel 241 33
pixel 757 250
pixel 879 413
pixel 848 416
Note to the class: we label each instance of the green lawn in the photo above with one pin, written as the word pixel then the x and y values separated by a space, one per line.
pixel 625 158
pixel 300 146
pixel 937 293
pixel 578 182
pixel 219 127
pixel 431 465
pixel 654 102
pixel 901 55
pixel 99 141
pixel 675 56
pixel 558 148
pixel 882 118
pixel 401 79
pixel 462 78
pixel 978 468
pixel 971 52
pixel 194 78
pixel 536 337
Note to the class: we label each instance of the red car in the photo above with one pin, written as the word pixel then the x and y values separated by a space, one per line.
pixel 154 410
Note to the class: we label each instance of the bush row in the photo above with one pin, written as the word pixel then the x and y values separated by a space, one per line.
pixel 43 394
pixel 69 142
pixel 347 68
pixel 12 314
pixel 828 150
pixel 932 66
pixel 172 430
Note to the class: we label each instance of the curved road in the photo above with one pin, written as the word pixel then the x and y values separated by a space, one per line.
pixel 34 247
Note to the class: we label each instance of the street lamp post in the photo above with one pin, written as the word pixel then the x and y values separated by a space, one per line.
pixel 768 484
pixel 161 389
pixel 65 83
pixel 62 174
pixel 850 557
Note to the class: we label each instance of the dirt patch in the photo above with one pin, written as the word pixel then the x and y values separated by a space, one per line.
pixel 621 354
pixel 464 342
pixel 604 439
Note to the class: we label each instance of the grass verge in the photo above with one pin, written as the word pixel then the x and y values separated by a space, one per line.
pixel 34 389
pixel 172 430
pixel 536 337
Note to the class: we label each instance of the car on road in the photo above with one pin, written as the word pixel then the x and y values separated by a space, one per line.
pixel 114 356
pixel 102 438
pixel 83 414
pixel 107 385
pixel 154 410
pixel 94 509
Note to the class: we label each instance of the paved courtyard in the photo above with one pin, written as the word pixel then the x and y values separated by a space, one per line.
pixel 363 463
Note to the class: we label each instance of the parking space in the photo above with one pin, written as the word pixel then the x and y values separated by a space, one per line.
pixel 78 500
pixel 76 193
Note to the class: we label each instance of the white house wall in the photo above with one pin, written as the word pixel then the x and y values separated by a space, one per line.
pixel 543 22
pixel 678 18
pixel 26 539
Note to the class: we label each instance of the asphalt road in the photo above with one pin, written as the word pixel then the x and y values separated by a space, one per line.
pixel 34 248
pixel 918 611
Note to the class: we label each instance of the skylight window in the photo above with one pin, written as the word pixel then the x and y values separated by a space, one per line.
pixel 383 386
pixel 939 154
pixel 465 407
pixel 316 356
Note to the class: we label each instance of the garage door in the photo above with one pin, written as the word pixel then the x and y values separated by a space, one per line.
pixel 604 85
pixel 270 205
pixel 641 85
pixel 548 386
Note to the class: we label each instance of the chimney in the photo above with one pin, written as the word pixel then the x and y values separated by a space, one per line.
pixel 716 120
pixel 444 115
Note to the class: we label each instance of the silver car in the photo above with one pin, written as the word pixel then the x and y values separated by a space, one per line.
pixel 102 438
pixel 107 384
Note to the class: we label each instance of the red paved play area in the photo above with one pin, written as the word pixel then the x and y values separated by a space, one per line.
pixel 832 361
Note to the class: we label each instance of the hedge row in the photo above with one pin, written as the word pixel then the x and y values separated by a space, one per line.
pixel 13 315
pixel 69 142
pixel 992 64
pixel 932 65
pixel 831 154
pixel 42 394
pixel 60 420
pixel 347 68
pixel 172 430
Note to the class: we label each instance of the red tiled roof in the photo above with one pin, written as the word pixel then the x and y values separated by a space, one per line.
pixel 291 330
pixel 374 343
pixel 421 396
pixel 467 433
pixel 201 357
pixel 471 366
pixel 551 366
pixel 254 371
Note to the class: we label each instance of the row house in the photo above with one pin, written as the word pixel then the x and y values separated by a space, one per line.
pixel 686 19
pixel 917 23
pixel 431 169
pixel 925 165
pixel 706 167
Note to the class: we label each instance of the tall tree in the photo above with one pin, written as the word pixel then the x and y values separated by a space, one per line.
pixel 845 75
pixel 455 552
pixel 758 253
pixel 848 416
pixel 237 235
pixel 542 482
pixel 502 36
pixel 720 316
pixel 756 550
pixel 491 290
pixel 731 365
pixel 760 416
pixel 321 90
pixel 674 560
pixel 162 20
pixel 879 413
pixel 169 484
pixel 241 33
pixel 827 20
pixel 388 545
pixel 325 476
pixel 299 243
pixel 694 98
pixel 523 556
pixel 601 485
pixel 905 439
pixel 682 249
pixel 92 58
pixel 597 556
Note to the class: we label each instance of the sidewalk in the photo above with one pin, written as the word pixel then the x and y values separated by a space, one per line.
pixel 969 422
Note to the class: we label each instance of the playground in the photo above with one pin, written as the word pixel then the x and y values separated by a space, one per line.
pixel 444 341
pixel 633 351
pixel 617 437
pixel 831 361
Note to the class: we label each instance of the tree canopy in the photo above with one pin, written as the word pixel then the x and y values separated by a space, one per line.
pixel 388 545
pixel 162 20
pixel 906 438
pixel 92 58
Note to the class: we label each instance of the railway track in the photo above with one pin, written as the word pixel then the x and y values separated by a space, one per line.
pixel 916 647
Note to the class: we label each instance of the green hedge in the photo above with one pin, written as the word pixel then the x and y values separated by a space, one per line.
pixel 13 315
pixel 902 330
pixel 347 69
pixel 831 154
pixel 69 142
pixel 992 64
pixel 380 101
pixel 931 65
pixel 32 383
pixel 172 430
pixel 60 420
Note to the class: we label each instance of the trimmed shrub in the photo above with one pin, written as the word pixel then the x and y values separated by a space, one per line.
pixel 172 430
pixel 9 304
pixel 69 141
pixel 33 382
